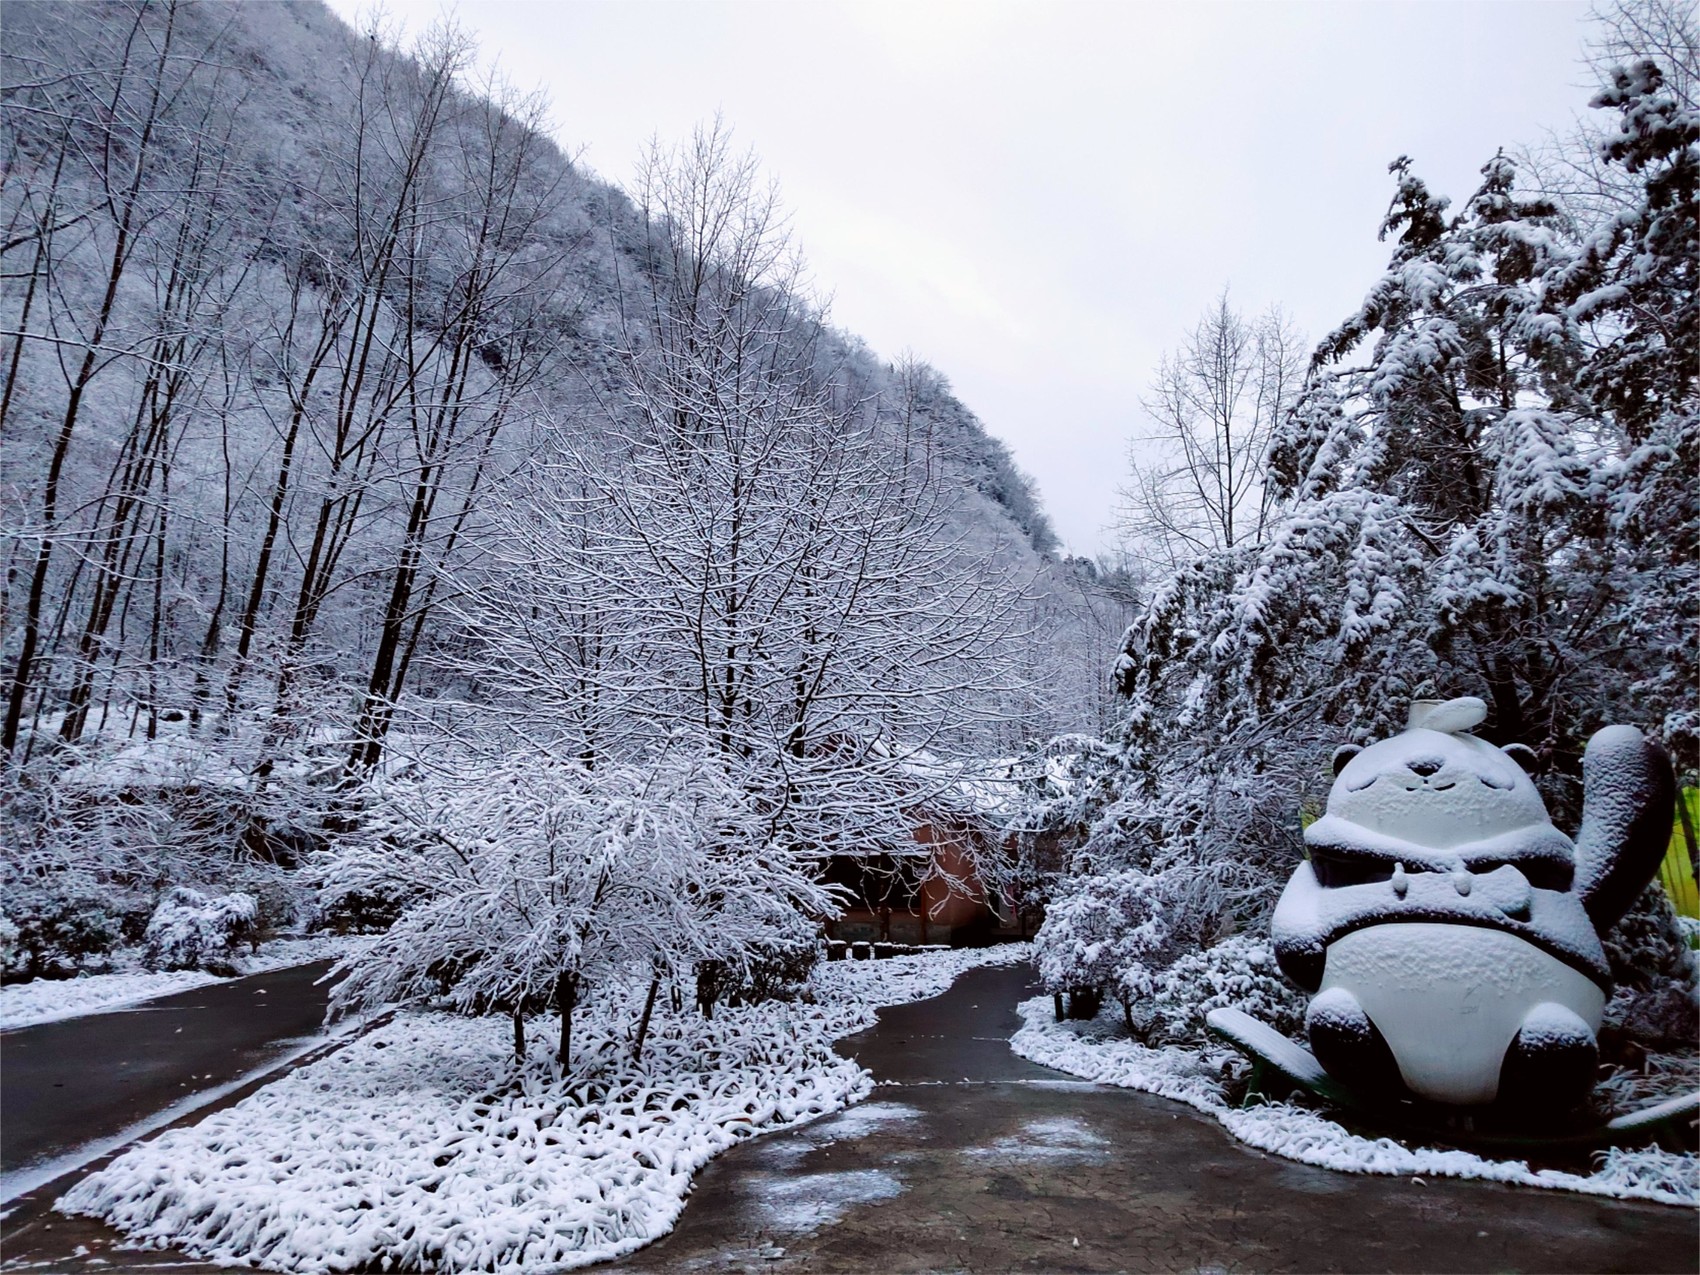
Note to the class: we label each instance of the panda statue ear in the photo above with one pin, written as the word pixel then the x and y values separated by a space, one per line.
pixel 1344 754
pixel 1523 755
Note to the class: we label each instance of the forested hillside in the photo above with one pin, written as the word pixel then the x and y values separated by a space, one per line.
pixel 341 410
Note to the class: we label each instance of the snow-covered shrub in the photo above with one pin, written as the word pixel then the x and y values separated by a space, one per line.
pixel 537 878
pixel 776 969
pixel 65 923
pixel 1114 933
pixel 1655 1004
pixel 1237 973
pixel 95 834
pixel 1649 944
pixel 364 911
pixel 1076 946
pixel 194 931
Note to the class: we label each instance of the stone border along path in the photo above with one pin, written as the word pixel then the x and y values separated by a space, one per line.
pixel 968 1158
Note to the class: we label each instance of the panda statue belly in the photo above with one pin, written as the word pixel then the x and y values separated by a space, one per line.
pixel 1448 931
pixel 1451 999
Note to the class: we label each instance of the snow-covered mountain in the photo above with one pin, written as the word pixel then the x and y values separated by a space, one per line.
pixel 292 304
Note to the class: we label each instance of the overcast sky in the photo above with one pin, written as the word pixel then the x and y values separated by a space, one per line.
pixel 1040 198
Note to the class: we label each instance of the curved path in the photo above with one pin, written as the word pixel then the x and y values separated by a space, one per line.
pixel 968 1158
pixel 77 1081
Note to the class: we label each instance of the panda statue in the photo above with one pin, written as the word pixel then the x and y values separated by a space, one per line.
pixel 1449 934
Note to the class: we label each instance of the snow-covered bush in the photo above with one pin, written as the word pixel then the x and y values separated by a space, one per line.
pixel 776 969
pixel 1237 973
pixel 65 923
pixel 1114 933
pixel 95 835
pixel 362 912
pixel 535 878
pixel 1656 1004
pixel 1649 944
pixel 194 931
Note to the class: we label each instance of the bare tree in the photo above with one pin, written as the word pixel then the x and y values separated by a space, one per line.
pixel 1197 474
pixel 1663 30
pixel 741 553
pixel 193 272
pixel 1569 166
pixel 110 123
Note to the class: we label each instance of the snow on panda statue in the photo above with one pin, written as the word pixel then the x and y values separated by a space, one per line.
pixel 1449 933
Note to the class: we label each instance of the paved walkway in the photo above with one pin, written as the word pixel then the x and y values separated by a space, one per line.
pixel 968 1158
pixel 73 1091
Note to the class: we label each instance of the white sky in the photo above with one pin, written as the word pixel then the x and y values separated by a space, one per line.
pixel 1039 198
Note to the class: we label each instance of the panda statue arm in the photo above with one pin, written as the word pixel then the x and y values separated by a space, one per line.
pixel 1628 794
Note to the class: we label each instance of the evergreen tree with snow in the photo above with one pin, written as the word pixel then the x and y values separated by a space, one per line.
pixel 1486 488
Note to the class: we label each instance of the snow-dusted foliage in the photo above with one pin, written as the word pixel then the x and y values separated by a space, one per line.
pixel 1486 487
pixel 272 393
pixel 98 833
pixel 423 1146
pixel 1237 973
pixel 745 549
pixel 1116 933
pixel 531 879
pixel 194 931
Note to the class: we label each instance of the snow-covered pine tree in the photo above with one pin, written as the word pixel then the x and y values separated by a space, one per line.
pixel 1486 488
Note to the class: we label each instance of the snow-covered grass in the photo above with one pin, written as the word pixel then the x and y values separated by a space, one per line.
pixel 48 1000
pixel 425 1145
pixel 1100 1051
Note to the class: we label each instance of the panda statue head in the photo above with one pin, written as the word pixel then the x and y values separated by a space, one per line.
pixel 1437 798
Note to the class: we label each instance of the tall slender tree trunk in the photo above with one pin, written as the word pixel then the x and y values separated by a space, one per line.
pixel 643 1023
pixel 566 1000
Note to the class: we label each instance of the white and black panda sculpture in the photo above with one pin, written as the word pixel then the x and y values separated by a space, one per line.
pixel 1449 933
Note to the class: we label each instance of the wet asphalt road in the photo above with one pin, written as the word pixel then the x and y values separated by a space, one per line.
pixel 66 1084
pixel 968 1158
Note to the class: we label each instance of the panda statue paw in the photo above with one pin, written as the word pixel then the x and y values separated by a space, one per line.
pixel 1347 1043
pixel 1551 1063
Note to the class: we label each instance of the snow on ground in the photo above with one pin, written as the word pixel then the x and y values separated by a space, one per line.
pixel 48 1000
pixel 1058 1138
pixel 424 1145
pixel 1102 1052
pixel 808 1203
